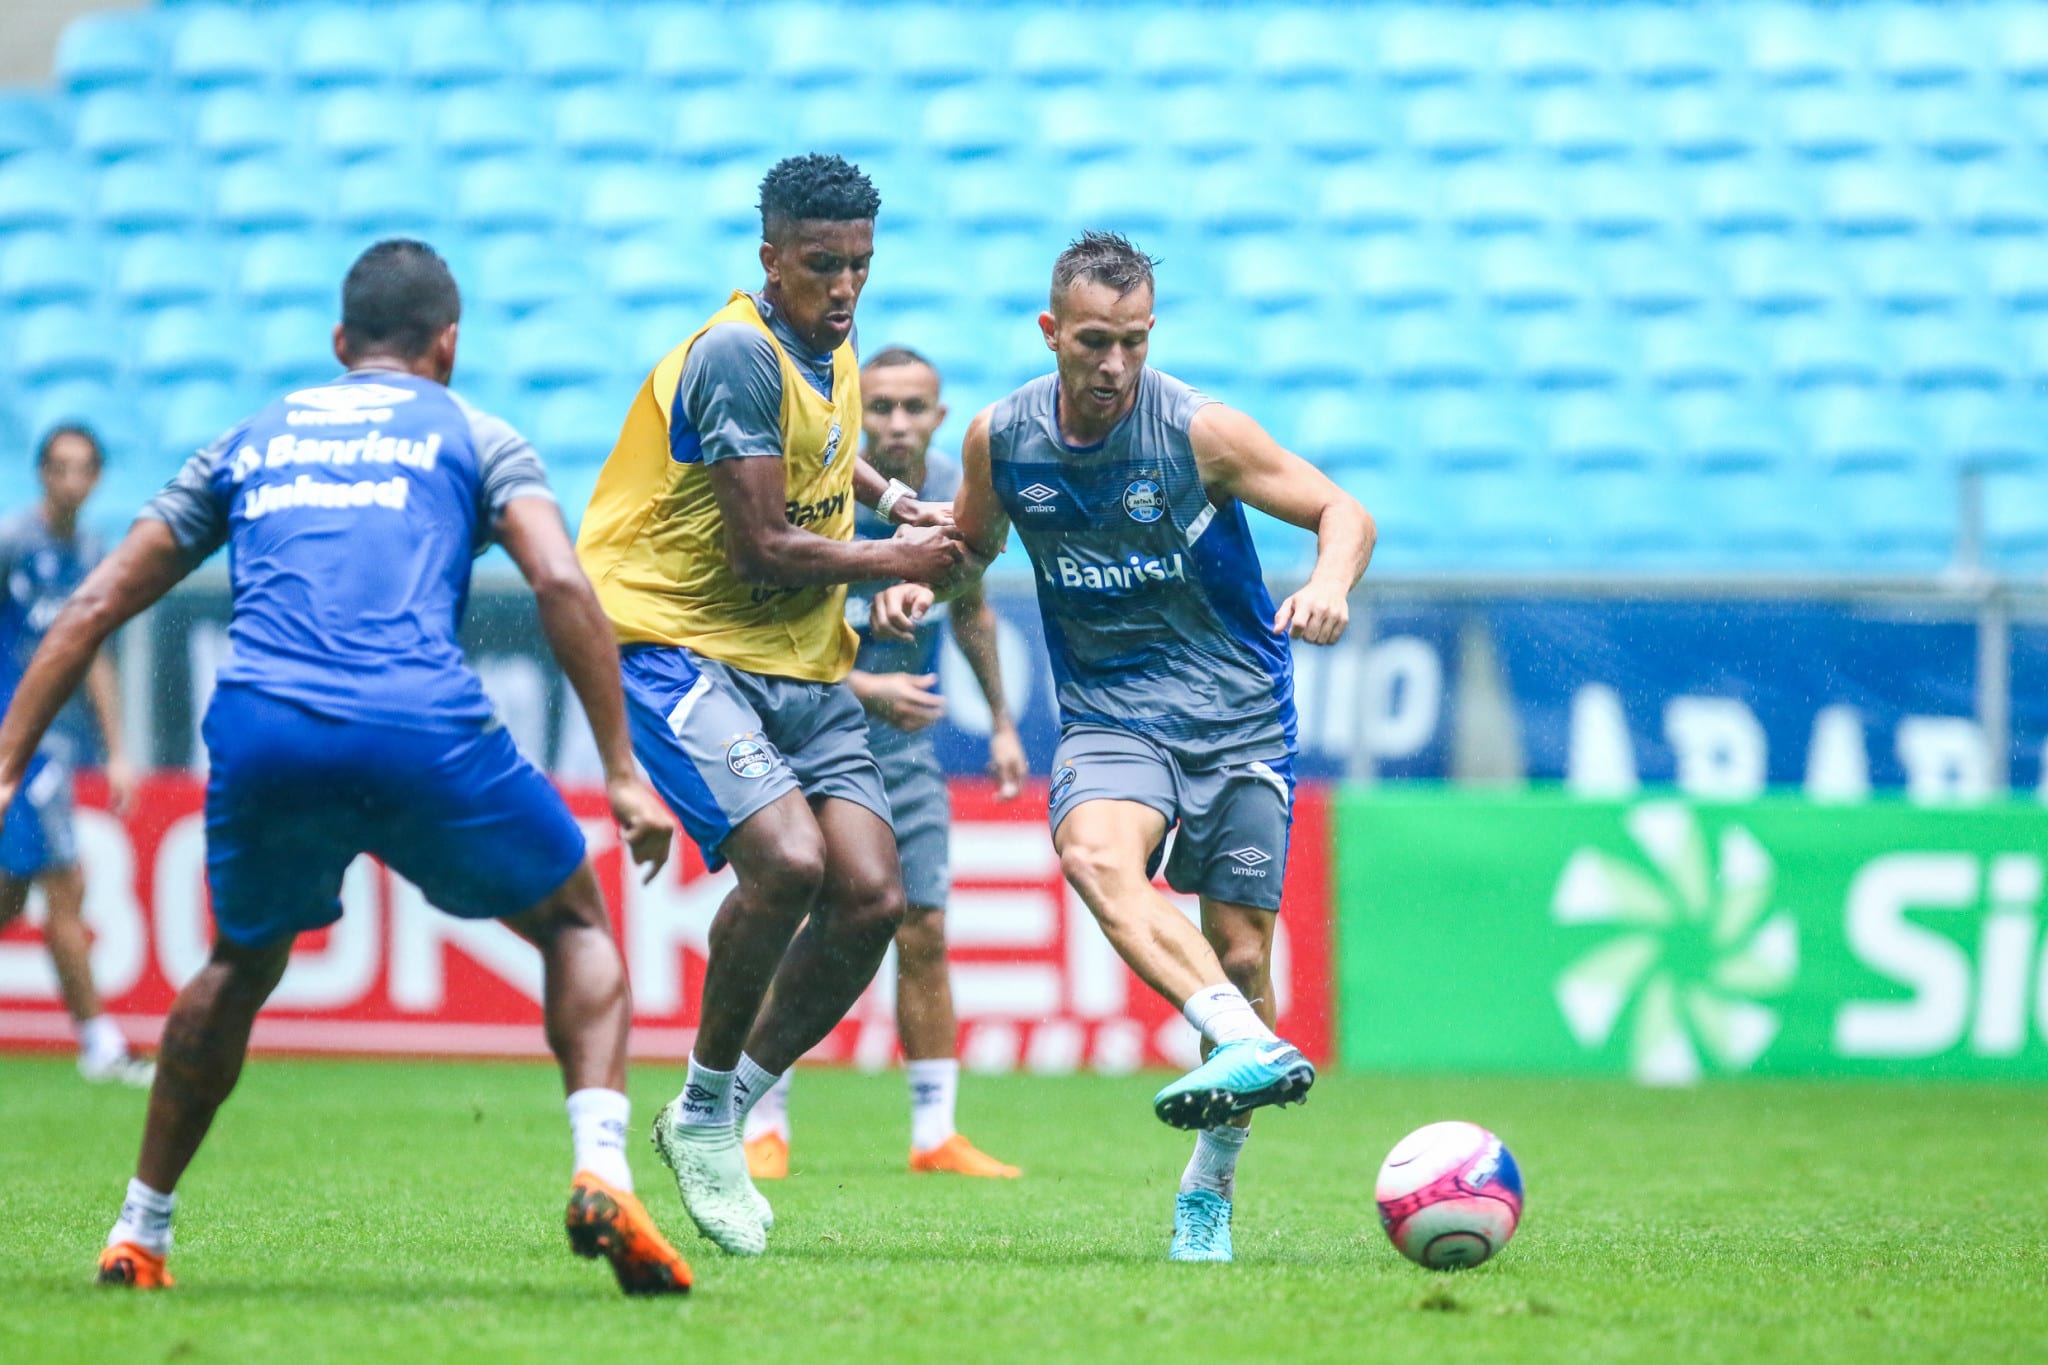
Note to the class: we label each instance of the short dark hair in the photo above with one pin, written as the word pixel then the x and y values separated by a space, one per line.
pixel 818 185
pixel 76 429
pixel 399 296
pixel 1105 257
pixel 891 356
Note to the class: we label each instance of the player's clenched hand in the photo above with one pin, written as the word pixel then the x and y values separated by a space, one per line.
pixel 645 826
pixel 904 700
pixel 1316 614
pixel 121 785
pixel 929 553
pixel 1006 761
pixel 895 613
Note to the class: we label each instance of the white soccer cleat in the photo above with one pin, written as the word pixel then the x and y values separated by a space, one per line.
pixel 122 1069
pixel 711 1174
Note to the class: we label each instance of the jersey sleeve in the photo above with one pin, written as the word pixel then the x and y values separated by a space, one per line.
pixel 507 466
pixel 729 400
pixel 191 505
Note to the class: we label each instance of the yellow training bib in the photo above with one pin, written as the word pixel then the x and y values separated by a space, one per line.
pixel 654 544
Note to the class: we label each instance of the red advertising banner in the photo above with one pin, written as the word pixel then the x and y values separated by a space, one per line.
pixel 1037 986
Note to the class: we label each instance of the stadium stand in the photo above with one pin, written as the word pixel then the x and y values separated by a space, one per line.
pixel 1629 258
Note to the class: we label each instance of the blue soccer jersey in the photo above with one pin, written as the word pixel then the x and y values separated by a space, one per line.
pixel 41 570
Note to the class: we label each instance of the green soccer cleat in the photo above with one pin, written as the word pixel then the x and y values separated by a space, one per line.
pixel 1241 1076
pixel 1201 1227
pixel 711 1174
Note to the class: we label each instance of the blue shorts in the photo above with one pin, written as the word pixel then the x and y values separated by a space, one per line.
pixel 293 796
pixel 37 835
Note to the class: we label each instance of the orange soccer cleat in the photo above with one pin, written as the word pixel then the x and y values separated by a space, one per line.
pixel 608 1222
pixel 768 1157
pixel 957 1156
pixel 134 1267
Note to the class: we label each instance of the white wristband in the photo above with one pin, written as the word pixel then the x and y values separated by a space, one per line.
pixel 896 492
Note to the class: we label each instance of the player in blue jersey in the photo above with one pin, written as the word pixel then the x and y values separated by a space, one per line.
pixel 346 722
pixel 1175 681
pixel 44 555
pixel 901 411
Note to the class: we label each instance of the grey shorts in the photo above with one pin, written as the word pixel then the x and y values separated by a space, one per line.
pixel 924 816
pixel 1233 816
pixel 720 743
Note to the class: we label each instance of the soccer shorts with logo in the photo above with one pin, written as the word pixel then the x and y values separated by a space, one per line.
pixel 720 743
pixel 293 796
pixel 923 818
pixel 1233 815
pixel 37 834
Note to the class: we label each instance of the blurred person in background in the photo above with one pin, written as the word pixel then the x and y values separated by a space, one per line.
pixel 45 554
pixel 896 683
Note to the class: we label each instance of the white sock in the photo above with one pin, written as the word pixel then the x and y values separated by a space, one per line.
pixel 100 1040
pixel 934 1088
pixel 1213 1167
pixel 598 1120
pixel 1222 1015
pixel 769 1111
pixel 751 1082
pixel 145 1219
pixel 706 1098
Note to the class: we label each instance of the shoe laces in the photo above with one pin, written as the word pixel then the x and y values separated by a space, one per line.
pixel 1202 1218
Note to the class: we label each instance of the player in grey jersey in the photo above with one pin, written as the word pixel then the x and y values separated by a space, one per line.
pixel 1174 677
pixel 900 413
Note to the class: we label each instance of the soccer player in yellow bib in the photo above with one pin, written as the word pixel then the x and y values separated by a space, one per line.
pixel 720 539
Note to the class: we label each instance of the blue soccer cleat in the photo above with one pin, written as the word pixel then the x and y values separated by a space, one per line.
pixel 1201 1227
pixel 1240 1076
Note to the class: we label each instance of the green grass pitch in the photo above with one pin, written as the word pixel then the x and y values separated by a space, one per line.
pixel 397 1213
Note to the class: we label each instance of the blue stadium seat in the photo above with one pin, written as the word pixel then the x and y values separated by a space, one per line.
pixel 1426 47
pixel 1939 354
pixel 1774 276
pixel 1683 354
pixel 1414 517
pixel 1273 273
pixel 41 191
pixel 1497 519
pixel 815 46
pixel 99 50
pixel 621 200
pixel 726 125
pixel 1958 126
pixel 642 272
pixel 955 344
pixel 2000 201
pixel 1848 429
pixel 1901 520
pixel 268 195
pixel 1012 272
pixel 570 44
pixel 696 47
pixel 181 344
pixel 1921 47
pixel 1619 200
pixel 1827 353
pixel 1629 517
pixel 1665 48
pixel 1342 430
pixel 2033 352
pixel 860 123
pixel 509 195
pixel 973 122
pixel 1451 125
pixel 291 268
pixel 349 125
pixel 1235 197
pixel 1459 432
pixel 390 195
pixel 1325 124
pixel 940 281
pixel 38 268
pixel 2017 275
pixel 64 342
pixel 1484 200
pixel 1400 274
pixel 577 426
pixel 931 47
pixel 1564 353
pixel 574 483
pixel 1197 344
pixel 1751 197
pixel 1548 48
pixel 519 275
pixel 341 46
pixel 192 415
pixel 1433 351
pixel 1723 431
pixel 90 402
pixel 292 348
pixel 167 269
pixel 1605 431
pixel 1199 124
pixel 27 124
pixel 1652 277
pixel 1834 124
pixel 1762 521
pixel 459 45
pixel 1521 275
pixel 236 121
pixel 1701 125
pixel 149 196
pixel 1311 47
pixel 1289 352
pixel 607 123
pixel 1078 124
pixel 2019 46
pixel 552 352
pixel 1170 51
pixel 1374 198
pixel 1990 431
pixel 111 124
pixel 223 47
pixel 998 198
pixel 1876 199
pixel 487 120
pixel 1064 47
pixel 730 199
pixel 1790 45
pixel 1584 125
pixel 1905 277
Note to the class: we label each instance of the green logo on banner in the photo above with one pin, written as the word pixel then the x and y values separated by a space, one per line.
pixel 1697 948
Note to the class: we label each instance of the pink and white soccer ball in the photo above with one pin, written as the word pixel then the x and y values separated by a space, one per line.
pixel 1450 1195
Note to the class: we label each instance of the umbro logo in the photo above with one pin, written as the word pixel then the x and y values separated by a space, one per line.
pixel 350 397
pixel 1040 496
pixel 1250 857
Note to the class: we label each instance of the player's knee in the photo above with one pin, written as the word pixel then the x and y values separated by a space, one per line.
pixel 867 908
pixel 792 874
pixel 921 939
pixel 1096 870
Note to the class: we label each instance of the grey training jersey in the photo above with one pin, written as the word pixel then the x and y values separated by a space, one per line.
pixel 1156 612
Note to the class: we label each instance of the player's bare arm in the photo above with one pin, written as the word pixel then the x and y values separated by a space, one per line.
pixel 105 691
pixel 580 637
pixel 871 486
pixel 982 528
pixel 1237 459
pixel 765 547
pixel 146 564
pixel 974 630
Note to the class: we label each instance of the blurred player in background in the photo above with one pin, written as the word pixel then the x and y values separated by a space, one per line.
pixel 44 555
pixel 346 722
pixel 1175 682
pixel 720 538
pixel 895 681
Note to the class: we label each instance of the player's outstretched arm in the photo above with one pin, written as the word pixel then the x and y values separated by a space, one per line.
pixel 580 637
pixel 143 567
pixel 1239 460
pixel 980 523
pixel 871 486
pixel 767 549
